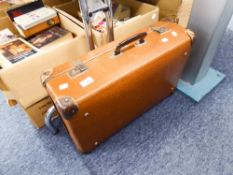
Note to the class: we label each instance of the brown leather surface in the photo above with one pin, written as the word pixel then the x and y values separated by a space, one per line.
pixel 124 86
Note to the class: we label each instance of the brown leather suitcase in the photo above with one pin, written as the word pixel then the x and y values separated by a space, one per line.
pixel 113 85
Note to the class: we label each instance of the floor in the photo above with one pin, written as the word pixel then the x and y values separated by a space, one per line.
pixel 176 137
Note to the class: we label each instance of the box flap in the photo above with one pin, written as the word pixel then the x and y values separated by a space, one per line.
pixel 3 8
pixel 71 18
pixel 71 8
pixel 6 23
pixel 132 25
pixel 137 8
pixel 169 8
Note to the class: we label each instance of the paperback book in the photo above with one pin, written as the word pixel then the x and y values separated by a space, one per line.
pixel 50 37
pixel 35 17
pixel 15 51
pixel 24 8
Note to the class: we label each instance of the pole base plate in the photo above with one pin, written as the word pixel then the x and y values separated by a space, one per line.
pixel 203 87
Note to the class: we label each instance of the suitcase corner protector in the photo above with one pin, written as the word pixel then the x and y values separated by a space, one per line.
pixel 45 76
pixel 191 34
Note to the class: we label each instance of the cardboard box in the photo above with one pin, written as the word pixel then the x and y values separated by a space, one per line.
pixel 152 2
pixel 5 22
pixel 180 9
pixel 21 82
pixel 70 8
pixel 37 111
pixel 143 15
pixel 3 7
pixel 2 13
pixel 168 8
pixel 185 12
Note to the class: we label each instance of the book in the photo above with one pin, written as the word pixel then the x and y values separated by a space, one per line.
pixel 6 36
pixel 15 51
pixel 21 9
pixel 35 17
pixel 50 37
pixel 38 28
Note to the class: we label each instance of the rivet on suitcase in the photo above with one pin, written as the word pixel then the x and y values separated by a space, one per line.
pixel 113 85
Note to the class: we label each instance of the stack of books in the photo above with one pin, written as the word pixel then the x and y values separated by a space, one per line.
pixel 32 18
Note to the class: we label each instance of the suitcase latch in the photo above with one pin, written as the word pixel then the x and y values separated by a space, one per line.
pixel 78 68
pixel 160 30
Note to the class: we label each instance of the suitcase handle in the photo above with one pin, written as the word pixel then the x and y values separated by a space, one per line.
pixel 140 37
pixel 49 123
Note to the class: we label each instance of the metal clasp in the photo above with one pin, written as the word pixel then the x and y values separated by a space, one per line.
pixel 160 30
pixel 78 68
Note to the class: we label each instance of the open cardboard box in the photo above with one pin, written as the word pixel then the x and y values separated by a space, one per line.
pixel 143 15
pixel 21 82
pixel 3 8
pixel 185 12
pixel 5 5
pixel 180 9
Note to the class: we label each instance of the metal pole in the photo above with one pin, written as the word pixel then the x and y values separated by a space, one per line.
pixel 87 23
pixel 109 21
pixel 209 20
